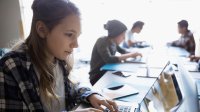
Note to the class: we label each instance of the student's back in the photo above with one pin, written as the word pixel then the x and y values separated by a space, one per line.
pixel 103 52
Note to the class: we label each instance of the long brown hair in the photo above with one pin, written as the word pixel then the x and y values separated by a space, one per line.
pixel 50 12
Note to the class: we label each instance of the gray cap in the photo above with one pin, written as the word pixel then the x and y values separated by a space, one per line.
pixel 115 28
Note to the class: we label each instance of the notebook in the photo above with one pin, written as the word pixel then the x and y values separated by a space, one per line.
pixel 119 91
pixel 125 67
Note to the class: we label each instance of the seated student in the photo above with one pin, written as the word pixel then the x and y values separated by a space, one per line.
pixel 34 76
pixel 186 40
pixel 136 28
pixel 105 48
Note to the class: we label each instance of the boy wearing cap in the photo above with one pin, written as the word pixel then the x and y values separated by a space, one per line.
pixel 105 48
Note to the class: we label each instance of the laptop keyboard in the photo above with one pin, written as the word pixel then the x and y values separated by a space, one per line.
pixel 121 109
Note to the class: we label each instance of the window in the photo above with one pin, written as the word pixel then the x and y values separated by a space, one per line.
pixel 160 18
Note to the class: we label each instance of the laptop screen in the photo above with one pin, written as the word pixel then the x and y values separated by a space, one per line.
pixel 165 94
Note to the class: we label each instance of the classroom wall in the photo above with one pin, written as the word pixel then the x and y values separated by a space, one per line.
pixel 9 22
pixel 160 17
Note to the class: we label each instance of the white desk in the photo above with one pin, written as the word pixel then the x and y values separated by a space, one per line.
pixel 156 61
pixel 142 84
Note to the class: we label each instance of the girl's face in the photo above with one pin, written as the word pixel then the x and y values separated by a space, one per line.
pixel 119 39
pixel 63 37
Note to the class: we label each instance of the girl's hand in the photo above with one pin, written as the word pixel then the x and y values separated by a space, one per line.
pixel 134 55
pixel 98 101
pixel 88 110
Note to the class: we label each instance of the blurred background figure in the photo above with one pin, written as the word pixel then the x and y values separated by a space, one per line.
pixel 186 40
pixel 130 38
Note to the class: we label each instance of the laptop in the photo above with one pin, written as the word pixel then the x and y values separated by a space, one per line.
pixel 131 107
pixel 142 60
pixel 165 94
pixel 190 103
pixel 122 106
pixel 143 44
pixel 181 97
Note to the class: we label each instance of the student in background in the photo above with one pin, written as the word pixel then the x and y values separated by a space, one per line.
pixel 34 76
pixel 131 41
pixel 186 40
pixel 105 48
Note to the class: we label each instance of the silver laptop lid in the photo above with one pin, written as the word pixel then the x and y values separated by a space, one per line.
pixel 189 90
pixel 160 99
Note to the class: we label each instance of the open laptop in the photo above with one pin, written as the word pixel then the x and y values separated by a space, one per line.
pixel 135 107
pixel 189 89
pixel 122 106
pixel 141 44
pixel 182 93
pixel 142 60
pixel 165 94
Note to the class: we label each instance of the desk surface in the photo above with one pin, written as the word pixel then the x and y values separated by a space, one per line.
pixel 156 64
pixel 156 61
pixel 139 83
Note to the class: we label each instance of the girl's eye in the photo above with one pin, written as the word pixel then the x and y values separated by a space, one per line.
pixel 69 34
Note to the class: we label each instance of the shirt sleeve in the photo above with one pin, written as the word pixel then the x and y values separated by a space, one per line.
pixel 177 43
pixel 121 50
pixel 105 53
pixel 82 93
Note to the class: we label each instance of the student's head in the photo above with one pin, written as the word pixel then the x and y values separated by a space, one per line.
pixel 182 26
pixel 137 26
pixel 55 27
pixel 54 32
pixel 116 30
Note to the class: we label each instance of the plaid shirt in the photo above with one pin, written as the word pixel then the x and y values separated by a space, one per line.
pixel 19 85
pixel 187 42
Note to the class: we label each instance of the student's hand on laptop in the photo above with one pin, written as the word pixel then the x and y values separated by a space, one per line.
pixel 88 110
pixel 136 54
pixel 98 101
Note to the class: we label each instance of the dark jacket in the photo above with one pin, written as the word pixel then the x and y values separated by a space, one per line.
pixel 103 52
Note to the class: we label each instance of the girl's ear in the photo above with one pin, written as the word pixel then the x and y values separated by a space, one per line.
pixel 41 29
